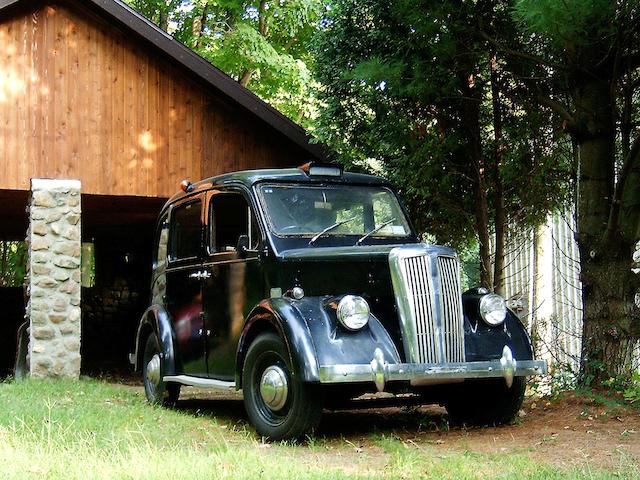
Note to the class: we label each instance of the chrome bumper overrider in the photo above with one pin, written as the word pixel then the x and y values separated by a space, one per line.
pixel 380 372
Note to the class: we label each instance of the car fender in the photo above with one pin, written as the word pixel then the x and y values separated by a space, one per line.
pixel 314 337
pixel 157 320
pixel 278 314
pixel 483 342
pixel 520 339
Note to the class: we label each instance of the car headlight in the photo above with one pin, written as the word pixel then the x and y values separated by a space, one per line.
pixel 493 309
pixel 353 312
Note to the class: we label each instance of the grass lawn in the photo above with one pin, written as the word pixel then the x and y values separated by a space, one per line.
pixel 89 429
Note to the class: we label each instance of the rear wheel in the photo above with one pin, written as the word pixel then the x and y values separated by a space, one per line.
pixel 278 404
pixel 156 389
pixel 486 402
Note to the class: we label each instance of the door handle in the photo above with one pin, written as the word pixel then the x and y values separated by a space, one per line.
pixel 203 275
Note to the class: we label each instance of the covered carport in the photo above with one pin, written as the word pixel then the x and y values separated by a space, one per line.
pixel 117 237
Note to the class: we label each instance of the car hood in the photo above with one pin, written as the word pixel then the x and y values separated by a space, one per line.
pixel 353 253
pixel 347 254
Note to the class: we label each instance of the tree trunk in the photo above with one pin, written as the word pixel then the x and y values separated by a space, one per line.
pixel 471 119
pixel 498 193
pixel 482 226
pixel 163 19
pixel 245 78
pixel 199 19
pixel 610 317
pixel 608 285
pixel 262 19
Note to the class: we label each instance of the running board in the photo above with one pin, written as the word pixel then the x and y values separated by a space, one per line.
pixel 200 382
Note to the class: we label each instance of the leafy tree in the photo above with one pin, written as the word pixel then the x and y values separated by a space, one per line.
pixel 263 44
pixel 581 59
pixel 158 11
pixel 412 89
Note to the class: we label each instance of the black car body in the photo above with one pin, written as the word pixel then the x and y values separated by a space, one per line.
pixel 302 286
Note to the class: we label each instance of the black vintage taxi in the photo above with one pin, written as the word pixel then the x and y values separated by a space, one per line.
pixel 306 286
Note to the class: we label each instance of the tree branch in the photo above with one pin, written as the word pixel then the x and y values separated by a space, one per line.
pixel 245 78
pixel 516 53
pixel 557 107
pixel 627 167
pixel 262 18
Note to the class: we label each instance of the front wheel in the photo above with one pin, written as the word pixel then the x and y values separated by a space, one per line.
pixel 486 402
pixel 156 389
pixel 278 404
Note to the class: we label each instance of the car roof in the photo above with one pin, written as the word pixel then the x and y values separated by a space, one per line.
pixel 249 178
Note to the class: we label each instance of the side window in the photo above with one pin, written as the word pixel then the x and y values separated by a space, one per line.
pixel 162 238
pixel 229 217
pixel 186 231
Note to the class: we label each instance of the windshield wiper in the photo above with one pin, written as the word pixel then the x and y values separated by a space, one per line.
pixel 377 229
pixel 331 227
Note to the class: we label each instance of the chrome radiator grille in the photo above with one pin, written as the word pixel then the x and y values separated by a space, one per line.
pixel 451 304
pixel 426 283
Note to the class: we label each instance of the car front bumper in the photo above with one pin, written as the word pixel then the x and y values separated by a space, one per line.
pixel 380 372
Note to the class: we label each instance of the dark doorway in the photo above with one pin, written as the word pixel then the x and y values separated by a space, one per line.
pixel 120 232
pixel 13 229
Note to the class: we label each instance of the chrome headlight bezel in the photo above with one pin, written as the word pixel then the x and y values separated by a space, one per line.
pixel 353 312
pixel 493 309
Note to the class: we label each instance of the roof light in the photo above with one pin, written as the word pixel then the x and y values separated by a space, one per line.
pixel 186 186
pixel 314 169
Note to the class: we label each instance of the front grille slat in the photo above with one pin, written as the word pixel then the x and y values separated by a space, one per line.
pixel 451 307
pixel 429 300
pixel 425 313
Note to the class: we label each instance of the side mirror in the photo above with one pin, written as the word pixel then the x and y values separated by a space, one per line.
pixel 243 245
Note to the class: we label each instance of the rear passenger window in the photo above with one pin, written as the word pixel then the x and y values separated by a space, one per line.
pixel 186 231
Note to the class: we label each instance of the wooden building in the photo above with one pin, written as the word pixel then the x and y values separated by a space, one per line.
pixel 90 90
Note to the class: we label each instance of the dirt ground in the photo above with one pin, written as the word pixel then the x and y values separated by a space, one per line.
pixel 568 430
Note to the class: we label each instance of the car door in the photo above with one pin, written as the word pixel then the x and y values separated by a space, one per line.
pixel 184 284
pixel 234 283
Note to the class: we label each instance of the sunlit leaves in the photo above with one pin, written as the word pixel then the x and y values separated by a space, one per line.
pixel 264 44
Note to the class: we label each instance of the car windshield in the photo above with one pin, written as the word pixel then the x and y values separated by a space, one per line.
pixel 307 210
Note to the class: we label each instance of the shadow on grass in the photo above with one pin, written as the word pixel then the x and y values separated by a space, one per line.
pixel 334 424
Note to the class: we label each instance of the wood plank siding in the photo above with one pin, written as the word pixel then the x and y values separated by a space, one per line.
pixel 80 99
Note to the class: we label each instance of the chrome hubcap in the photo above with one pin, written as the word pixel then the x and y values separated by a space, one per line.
pixel 153 370
pixel 274 388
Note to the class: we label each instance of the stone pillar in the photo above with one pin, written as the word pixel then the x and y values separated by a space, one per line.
pixel 53 280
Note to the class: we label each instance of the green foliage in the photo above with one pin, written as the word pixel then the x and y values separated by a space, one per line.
pixel 469 272
pixel 627 386
pixel 13 263
pixel 88 265
pixel 398 83
pixel 158 11
pixel 262 44
pixel 632 389
pixel 566 22
pixel 562 378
